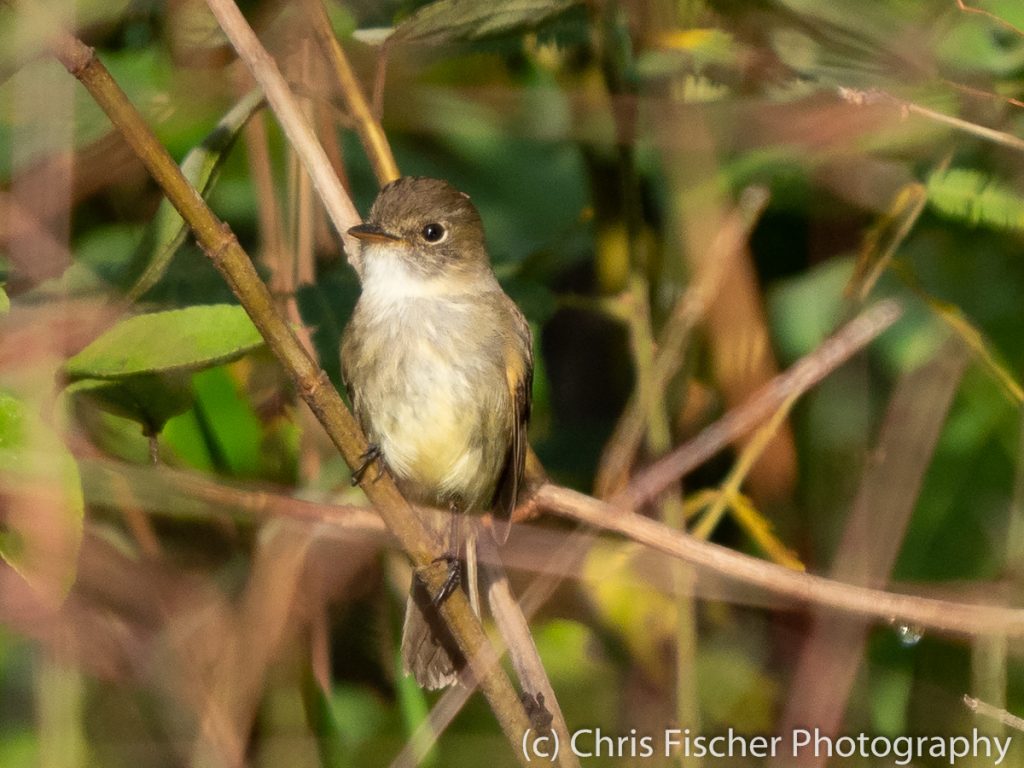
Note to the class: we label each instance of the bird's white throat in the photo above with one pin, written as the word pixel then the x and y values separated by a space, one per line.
pixel 388 278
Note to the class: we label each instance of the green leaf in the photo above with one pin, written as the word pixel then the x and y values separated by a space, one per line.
pixel 976 199
pixel 5 302
pixel 12 427
pixel 41 495
pixel 412 703
pixel 804 309
pixel 200 167
pixel 229 421
pixel 19 748
pixel 323 721
pixel 113 435
pixel 448 21
pixel 160 342
pixel 343 23
pixel 149 398
pixel 187 442
pixel 736 689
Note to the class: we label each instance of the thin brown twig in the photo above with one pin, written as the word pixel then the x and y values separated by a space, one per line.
pixel 730 488
pixel 301 214
pixel 953 615
pixel 178 493
pixel 804 588
pixel 370 132
pixel 247 645
pixel 267 207
pixel 989 657
pixel 515 631
pixel 712 559
pixel 690 308
pixel 874 96
pixel 300 134
pixel 985 709
pixel 810 370
pixel 380 77
pixel 327 128
pixel 136 519
pixel 981 93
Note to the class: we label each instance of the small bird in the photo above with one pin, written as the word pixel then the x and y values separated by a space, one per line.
pixel 438 363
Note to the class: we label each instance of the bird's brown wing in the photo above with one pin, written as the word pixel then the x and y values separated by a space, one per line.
pixel 519 375
pixel 351 342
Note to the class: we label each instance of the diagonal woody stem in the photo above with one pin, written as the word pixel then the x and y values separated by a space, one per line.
pixel 222 247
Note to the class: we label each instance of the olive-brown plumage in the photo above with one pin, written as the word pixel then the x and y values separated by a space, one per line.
pixel 437 360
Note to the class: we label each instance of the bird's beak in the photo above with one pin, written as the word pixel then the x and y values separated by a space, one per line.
pixel 373 233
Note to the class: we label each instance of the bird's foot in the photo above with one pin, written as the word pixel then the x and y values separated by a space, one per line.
pixel 451 580
pixel 370 455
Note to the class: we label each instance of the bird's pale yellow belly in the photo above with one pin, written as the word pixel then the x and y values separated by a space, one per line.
pixel 435 456
pixel 438 411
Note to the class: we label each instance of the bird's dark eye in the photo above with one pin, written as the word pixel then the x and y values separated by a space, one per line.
pixel 434 232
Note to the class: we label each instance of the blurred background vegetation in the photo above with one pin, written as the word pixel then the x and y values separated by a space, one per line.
pixel 149 489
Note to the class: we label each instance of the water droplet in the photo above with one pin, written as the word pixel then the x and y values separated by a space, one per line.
pixel 909 635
